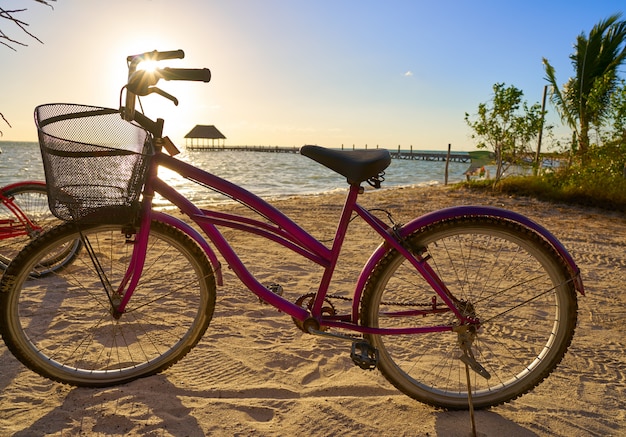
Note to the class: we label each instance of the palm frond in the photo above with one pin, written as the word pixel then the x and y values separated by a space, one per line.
pixel 557 99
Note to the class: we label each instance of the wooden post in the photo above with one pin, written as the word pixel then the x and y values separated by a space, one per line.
pixel 447 162
pixel 539 137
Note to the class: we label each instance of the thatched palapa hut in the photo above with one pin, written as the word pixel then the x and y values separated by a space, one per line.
pixel 204 137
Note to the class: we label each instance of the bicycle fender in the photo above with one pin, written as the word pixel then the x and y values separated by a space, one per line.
pixel 195 235
pixel 491 211
pixel 467 211
pixel 16 184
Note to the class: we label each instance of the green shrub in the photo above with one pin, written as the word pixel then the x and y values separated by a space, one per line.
pixel 600 183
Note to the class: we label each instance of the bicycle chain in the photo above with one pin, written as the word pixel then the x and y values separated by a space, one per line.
pixel 360 336
pixel 400 304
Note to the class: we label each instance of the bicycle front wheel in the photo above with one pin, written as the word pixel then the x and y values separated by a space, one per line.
pixel 62 326
pixel 501 273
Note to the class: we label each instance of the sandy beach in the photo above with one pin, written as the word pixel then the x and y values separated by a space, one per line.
pixel 255 373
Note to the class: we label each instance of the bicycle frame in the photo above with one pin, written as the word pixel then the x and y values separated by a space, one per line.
pixel 21 224
pixel 499 288
pixel 287 233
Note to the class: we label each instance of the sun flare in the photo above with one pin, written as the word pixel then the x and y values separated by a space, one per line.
pixel 149 66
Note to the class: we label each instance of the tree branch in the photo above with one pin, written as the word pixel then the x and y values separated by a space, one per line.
pixel 9 42
pixel 10 15
pixel 6 121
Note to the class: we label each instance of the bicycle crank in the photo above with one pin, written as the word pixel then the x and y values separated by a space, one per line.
pixel 306 301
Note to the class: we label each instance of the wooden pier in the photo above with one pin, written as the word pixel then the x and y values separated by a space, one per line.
pixel 397 154
pixel 431 156
pixel 270 149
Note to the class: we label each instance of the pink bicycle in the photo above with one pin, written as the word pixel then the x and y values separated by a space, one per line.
pixel 465 290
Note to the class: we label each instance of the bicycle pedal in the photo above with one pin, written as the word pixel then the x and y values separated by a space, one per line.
pixel 364 355
pixel 274 288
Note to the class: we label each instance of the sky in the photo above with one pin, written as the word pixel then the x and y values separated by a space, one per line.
pixel 293 72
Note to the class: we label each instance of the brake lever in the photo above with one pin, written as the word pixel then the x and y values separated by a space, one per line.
pixel 162 93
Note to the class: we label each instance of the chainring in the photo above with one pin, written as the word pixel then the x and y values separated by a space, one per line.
pixel 306 301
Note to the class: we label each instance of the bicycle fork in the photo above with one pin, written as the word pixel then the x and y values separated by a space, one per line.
pixel 120 296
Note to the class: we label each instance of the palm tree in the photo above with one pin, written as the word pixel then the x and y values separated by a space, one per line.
pixel 584 99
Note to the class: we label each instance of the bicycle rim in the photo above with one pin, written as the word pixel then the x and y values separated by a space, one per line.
pixel 61 325
pixel 506 276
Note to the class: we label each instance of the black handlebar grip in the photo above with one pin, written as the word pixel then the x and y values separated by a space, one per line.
pixel 172 54
pixel 196 74
pixel 156 56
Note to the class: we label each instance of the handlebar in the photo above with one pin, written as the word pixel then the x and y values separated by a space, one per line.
pixel 142 82
pixel 192 74
pixel 154 56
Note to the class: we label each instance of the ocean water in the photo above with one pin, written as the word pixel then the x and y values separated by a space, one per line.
pixel 268 175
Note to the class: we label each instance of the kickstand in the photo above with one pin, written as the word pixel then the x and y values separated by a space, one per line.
pixel 469 400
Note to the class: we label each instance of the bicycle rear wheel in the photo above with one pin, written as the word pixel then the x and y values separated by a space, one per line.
pixel 32 199
pixel 62 327
pixel 503 274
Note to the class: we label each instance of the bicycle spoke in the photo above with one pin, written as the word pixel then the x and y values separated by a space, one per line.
pixel 63 326
pixel 500 274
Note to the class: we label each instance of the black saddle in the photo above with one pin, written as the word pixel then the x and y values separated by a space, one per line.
pixel 356 165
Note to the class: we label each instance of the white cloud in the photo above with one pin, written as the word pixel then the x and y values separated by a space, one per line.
pixel 408 74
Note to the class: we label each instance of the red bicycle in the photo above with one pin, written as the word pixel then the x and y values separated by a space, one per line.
pixel 24 215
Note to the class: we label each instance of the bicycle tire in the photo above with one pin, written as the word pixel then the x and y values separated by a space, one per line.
pixel 32 200
pixel 61 325
pixel 509 277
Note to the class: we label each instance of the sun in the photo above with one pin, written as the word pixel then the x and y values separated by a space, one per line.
pixel 149 66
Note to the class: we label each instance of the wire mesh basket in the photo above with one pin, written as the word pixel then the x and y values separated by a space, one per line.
pixel 95 162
